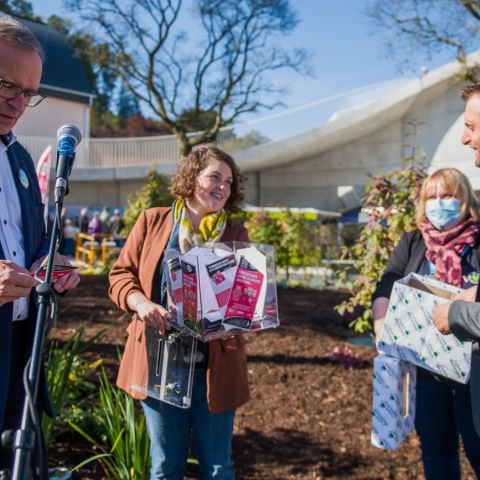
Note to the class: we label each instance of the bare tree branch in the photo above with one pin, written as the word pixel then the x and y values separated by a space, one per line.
pixel 416 28
pixel 473 7
pixel 222 70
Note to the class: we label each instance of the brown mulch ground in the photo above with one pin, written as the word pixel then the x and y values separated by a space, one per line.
pixel 309 417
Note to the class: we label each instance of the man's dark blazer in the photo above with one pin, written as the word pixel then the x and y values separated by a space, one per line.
pixel 408 257
pixel 35 246
pixel 464 323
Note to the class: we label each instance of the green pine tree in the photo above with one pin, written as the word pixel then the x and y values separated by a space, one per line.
pixel 127 104
pixel 155 193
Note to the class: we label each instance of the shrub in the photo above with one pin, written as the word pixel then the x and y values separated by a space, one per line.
pixel 390 203
pixel 293 236
pixel 124 443
pixel 155 193
pixel 68 384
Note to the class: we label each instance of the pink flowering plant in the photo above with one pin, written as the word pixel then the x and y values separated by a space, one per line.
pixel 390 203
pixel 346 356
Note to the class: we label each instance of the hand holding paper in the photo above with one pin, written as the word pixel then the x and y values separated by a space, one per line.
pixel 64 274
pixel 15 282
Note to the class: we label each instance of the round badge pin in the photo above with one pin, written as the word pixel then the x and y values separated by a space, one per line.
pixel 23 179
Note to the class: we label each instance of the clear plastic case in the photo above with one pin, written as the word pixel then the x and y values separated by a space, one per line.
pixel 220 289
pixel 171 364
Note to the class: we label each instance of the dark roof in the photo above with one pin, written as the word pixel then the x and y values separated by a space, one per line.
pixel 63 73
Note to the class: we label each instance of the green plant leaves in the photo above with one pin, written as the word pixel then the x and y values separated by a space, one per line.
pixel 390 201
pixel 293 236
pixel 155 193
pixel 68 384
pixel 124 442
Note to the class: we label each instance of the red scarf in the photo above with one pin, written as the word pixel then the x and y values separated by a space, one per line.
pixel 444 248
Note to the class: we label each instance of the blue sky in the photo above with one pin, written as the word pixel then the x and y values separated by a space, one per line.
pixel 347 53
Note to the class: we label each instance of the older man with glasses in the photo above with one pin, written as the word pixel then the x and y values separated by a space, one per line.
pixel 23 240
pixel 10 91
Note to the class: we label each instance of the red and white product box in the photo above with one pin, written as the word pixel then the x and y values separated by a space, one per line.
pixel 259 261
pixel 175 272
pixel 246 288
pixel 190 293
pixel 221 289
pixel 221 274
pixel 208 310
pixel 174 269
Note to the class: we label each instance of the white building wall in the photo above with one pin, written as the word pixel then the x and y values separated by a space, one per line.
pixel 315 181
pixel 431 116
pixel 112 193
pixel 45 119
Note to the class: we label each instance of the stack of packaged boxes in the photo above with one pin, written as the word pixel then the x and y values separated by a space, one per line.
pixel 409 339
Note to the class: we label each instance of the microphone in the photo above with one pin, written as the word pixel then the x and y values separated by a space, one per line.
pixel 68 137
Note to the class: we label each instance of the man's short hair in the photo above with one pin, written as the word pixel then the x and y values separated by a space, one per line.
pixel 470 90
pixel 13 30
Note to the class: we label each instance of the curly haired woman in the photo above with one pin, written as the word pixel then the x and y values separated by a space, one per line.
pixel 208 186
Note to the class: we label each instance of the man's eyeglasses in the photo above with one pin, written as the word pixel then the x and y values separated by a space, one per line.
pixel 10 91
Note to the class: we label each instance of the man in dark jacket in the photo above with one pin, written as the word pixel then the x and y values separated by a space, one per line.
pixel 23 241
pixel 462 316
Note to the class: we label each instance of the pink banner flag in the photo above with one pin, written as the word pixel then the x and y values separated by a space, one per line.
pixel 43 173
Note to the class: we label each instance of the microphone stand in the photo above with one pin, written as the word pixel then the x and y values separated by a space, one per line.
pixel 30 432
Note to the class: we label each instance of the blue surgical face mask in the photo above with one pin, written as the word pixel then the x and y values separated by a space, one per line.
pixel 443 212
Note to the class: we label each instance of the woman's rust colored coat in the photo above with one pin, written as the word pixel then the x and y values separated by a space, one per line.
pixel 227 384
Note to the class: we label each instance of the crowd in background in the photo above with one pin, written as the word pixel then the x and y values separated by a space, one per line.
pixel 97 224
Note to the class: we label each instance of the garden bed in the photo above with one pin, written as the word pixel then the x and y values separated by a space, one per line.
pixel 309 416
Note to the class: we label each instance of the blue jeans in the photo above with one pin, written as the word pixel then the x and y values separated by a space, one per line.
pixel 443 412
pixel 169 430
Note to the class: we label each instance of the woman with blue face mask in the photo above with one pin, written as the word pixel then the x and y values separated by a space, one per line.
pixel 445 245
